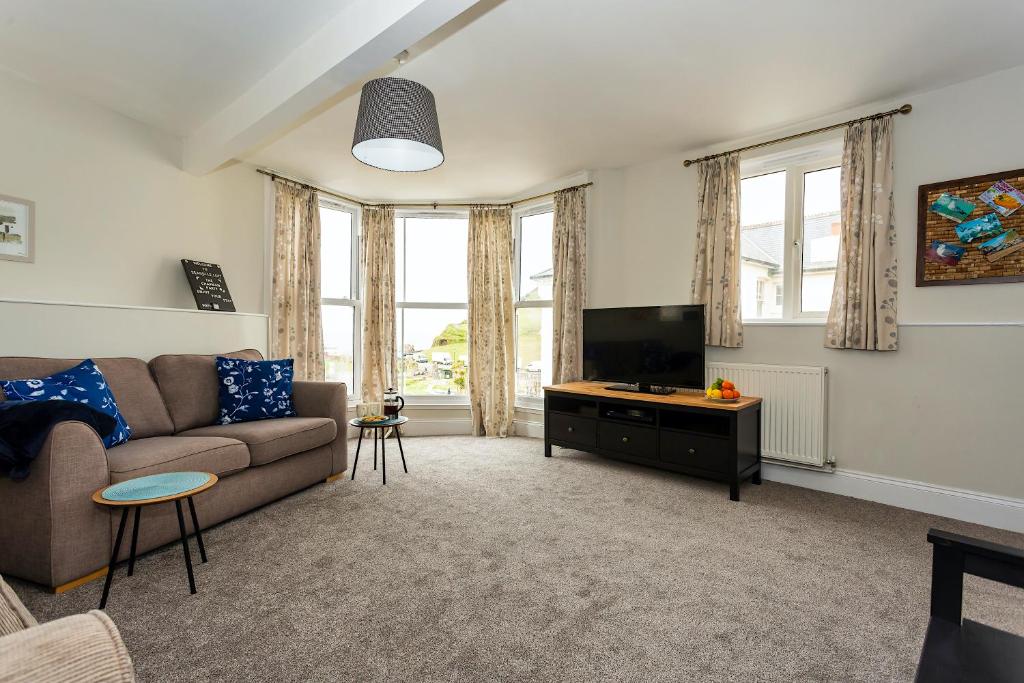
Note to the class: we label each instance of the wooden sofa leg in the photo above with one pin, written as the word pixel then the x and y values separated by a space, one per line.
pixel 334 477
pixel 71 585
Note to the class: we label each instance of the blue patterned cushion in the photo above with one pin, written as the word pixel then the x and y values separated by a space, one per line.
pixel 83 383
pixel 254 389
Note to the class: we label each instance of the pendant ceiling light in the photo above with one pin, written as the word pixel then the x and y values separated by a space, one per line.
pixel 396 129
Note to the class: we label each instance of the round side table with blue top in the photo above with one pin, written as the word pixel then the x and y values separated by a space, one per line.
pixel 377 427
pixel 151 490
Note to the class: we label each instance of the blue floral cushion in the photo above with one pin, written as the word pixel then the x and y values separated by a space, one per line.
pixel 83 383
pixel 254 389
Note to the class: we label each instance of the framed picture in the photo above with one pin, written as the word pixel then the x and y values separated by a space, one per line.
pixel 17 229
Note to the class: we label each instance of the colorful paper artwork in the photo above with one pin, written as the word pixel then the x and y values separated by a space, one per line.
pixel 986 226
pixel 952 207
pixel 1003 197
pixel 944 253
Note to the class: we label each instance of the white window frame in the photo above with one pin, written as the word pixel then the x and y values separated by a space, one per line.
pixel 400 217
pixel 796 163
pixel 517 221
pixel 355 300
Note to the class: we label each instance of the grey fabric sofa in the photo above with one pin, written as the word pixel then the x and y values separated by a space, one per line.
pixel 59 538
pixel 84 648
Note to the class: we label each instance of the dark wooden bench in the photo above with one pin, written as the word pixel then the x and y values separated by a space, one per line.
pixel 958 649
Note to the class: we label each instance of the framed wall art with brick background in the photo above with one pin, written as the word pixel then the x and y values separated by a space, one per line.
pixel 971 231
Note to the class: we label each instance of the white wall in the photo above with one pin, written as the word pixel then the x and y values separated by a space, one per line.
pixel 941 410
pixel 114 214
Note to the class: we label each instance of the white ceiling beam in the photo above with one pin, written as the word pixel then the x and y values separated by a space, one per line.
pixel 356 42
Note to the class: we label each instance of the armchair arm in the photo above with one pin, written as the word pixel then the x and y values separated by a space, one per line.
pixel 53 530
pixel 326 399
pixel 81 648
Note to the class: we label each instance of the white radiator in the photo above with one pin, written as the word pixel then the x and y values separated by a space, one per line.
pixel 794 413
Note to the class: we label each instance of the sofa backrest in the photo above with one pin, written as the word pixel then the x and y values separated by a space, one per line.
pixel 189 386
pixel 129 379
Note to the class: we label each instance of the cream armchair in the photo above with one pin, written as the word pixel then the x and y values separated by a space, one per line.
pixel 81 648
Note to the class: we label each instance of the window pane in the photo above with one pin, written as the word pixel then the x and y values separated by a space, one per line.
pixel 339 341
pixel 434 351
pixel 431 260
pixel 821 239
pixel 762 244
pixel 335 253
pixel 533 350
pixel 535 267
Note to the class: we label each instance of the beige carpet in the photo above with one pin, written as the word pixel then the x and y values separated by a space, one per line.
pixel 491 563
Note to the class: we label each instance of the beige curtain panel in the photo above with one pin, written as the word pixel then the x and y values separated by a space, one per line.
pixel 491 321
pixel 296 328
pixel 716 268
pixel 377 268
pixel 863 311
pixel 569 255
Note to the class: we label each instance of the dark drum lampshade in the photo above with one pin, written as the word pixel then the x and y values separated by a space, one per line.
pixel 396 129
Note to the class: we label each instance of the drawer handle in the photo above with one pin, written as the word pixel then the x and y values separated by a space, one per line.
pixel 692 451
pixel 625 439
pixel 571 429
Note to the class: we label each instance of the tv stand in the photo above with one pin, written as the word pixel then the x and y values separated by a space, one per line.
pixel 642 389
pixel 679 432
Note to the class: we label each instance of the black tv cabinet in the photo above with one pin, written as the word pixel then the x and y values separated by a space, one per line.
pixel 679 432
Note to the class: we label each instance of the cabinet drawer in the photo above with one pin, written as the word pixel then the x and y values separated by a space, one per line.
pixel 579 430
pixel 639 441
pixel 691 450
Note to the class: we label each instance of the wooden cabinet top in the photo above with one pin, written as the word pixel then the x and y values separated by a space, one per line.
pixel 681 398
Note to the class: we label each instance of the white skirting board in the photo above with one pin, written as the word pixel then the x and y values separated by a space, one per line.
pixel 967 506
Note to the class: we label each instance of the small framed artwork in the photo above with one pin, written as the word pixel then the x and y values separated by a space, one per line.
pixel 17 229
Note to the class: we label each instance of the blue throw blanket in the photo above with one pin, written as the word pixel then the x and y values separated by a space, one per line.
pixel 24 426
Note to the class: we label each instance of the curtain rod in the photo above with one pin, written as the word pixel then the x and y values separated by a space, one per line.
pixel 905 109
pixel 410 205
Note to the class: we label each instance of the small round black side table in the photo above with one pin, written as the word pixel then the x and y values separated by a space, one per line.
pixel 156 488
pixel 378 430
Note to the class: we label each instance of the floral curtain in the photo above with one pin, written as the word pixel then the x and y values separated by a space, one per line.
pixel 377 278
pixel 296 329
pixel 569 255
pixel 491 321
pixel 863 311
pixel 716 268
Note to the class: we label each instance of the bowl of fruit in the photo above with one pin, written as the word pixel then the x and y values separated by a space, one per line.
pixel 722 391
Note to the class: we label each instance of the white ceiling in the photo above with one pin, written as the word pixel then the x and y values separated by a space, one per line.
pixel 530 90
pixel 169 63
pixel 535 90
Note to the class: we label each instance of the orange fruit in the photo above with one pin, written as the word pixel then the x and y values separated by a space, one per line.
pixel 728 385
pixel 736 393
pixel 726 393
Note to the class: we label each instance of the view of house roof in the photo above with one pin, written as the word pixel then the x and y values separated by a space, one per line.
pixel 764 242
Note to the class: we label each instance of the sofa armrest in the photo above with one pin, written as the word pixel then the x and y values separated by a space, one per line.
pixel 81 648
pixel 326 399
pixel 53 530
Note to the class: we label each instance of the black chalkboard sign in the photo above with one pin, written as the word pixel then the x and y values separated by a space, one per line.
pixel 208 286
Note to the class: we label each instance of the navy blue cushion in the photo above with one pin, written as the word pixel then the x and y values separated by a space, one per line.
pixel 254 389
pixel 83 383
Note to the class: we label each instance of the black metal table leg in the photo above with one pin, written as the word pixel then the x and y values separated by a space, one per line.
pixel 184 547
pixel 383 459
pixel 398 435
pixel 375 432
pixel 359 445
pixel 135 540
pixel 195 526
pixel 113 556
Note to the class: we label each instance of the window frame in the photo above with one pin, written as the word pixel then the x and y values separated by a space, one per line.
pixel 355 300
pixel 518 214
pixel 400 216
pixel 796 164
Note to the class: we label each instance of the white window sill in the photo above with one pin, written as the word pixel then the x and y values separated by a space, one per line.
pixel 810 322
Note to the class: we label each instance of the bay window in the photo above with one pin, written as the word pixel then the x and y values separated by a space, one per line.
pixel 534 277
pixel 339 292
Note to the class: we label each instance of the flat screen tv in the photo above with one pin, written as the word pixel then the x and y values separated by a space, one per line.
pixel 645 348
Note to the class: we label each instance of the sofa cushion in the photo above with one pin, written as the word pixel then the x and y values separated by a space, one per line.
pixel 160 454
pixel 270 440
pixel 189 385
pixel 254 389
pixel 129 379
